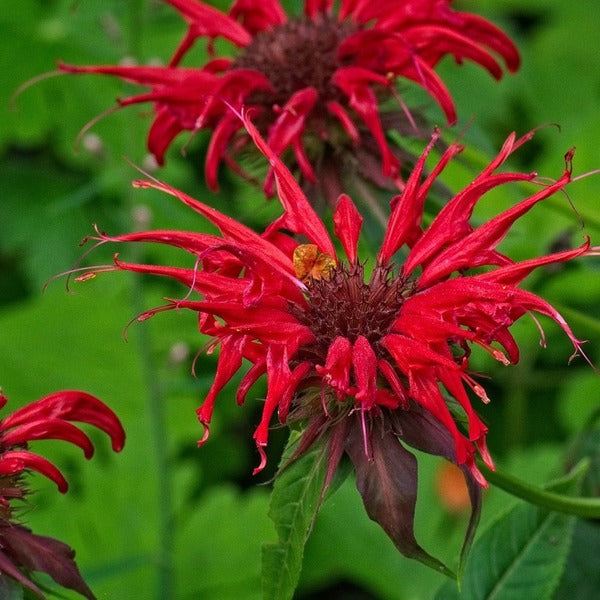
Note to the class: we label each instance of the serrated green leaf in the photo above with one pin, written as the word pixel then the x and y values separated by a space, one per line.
pixel 521 555
pixel 294 503
pixel 581 578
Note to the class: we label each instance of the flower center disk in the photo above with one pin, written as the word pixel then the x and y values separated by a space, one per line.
pixel 299 54
pixel 346 306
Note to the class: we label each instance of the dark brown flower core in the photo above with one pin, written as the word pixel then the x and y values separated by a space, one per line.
pixel 298 54
pixel 346 306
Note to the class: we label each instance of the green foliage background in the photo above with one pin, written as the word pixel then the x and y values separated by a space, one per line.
pixel 163 518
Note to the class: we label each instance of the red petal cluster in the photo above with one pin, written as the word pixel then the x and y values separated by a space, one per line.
pixel 47 418
pixel 254 305
pixel 50 418
pixel 375 45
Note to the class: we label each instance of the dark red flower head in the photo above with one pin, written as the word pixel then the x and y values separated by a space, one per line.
pixel 48 418
pixel 365 355
pixel 315 82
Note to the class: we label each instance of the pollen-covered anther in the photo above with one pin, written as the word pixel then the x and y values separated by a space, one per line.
pixel 501 357
pixel 310 263
pixel 481 393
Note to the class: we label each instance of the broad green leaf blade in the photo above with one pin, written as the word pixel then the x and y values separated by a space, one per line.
pixel 294 503
pixel 521 555
pixel 581 578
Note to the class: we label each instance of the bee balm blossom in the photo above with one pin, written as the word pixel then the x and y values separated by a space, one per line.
pixel 48 418
pixel 316 82
pixel 373 359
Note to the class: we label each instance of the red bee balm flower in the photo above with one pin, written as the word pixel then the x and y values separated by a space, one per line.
pixel 315 81
pixel 48 418
pixel 363 360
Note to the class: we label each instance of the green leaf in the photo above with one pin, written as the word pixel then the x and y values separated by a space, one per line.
pixel 294 502
pixel 235 522
pixel 522 554
pixel 10 589
pixel 581 578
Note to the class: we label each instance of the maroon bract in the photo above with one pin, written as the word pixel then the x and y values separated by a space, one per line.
pixel 48 418
pixel 364 360
pixel 315 82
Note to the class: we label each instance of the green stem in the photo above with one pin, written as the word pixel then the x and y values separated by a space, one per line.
pixel 588 508
pixel 162 475
pixel 155 393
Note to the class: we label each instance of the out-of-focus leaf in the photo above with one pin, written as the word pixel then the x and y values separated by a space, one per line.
pixel 218 544
pixel 61 342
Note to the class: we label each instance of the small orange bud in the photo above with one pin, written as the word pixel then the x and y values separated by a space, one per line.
pixel 452 489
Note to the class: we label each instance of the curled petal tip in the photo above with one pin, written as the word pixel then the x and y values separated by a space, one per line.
pixel 263 459
pixel 118 444
pixel 205 435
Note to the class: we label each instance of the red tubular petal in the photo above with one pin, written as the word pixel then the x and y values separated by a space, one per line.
pixel 413 354
pixel 71 405
pixel 355 82
pixel 452 222
pixel 290 124
pixel 230 360
pixel 336 371
pixel 303 161
pixel 46 429
pixel 338 111
pixel 300 216
pixel 13 462
pixel 346 9
pixel 152 76
pixel 312 8
pixel 515 273
pixel 210 22
pixel 230 228
pixel 256 370
pixel 278 377
pixel 268 324
pixel 165 128
pixel 387 370
pixel 452 382
pixel 263 458
pixel 189 277
pixel 426 77
pixel 487 33
pixel 476 249
pixel 297 375
pixel 364 366
pixel 440 40
pixel 219 140
pixel 405 220
pixel 462 296
pixel 186 43
pixel 257 16
pixel 347 223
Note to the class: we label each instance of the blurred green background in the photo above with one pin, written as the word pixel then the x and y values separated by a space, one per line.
pixel 165 518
